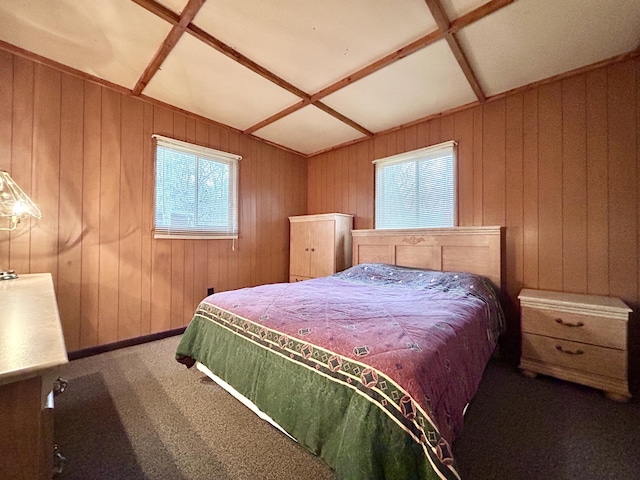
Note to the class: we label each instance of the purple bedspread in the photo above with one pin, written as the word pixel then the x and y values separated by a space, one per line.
pixel 431 332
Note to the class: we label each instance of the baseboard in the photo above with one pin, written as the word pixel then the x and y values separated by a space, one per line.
pixel 87 352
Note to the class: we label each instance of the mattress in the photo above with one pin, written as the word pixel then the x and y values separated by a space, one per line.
pixel 371 368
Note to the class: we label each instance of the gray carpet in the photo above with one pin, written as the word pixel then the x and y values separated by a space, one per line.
pixel 135 413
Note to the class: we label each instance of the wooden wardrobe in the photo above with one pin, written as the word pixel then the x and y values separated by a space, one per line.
pixel 320 245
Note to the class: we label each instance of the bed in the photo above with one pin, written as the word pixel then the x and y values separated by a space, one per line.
pixel 370 368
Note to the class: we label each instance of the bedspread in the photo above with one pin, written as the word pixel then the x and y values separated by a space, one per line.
pixel 401 349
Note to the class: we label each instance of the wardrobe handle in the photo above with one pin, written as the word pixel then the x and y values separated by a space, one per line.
pixel 569 324
pixel 313 249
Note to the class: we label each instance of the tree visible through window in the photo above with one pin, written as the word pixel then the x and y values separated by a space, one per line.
pixel 417 189
pixel 196 192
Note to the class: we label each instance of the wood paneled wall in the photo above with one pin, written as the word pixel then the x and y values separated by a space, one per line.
pixel 556 164
pixel 84 154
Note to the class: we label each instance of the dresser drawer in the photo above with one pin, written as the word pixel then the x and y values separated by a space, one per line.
pixel 578 356
pixel 594 330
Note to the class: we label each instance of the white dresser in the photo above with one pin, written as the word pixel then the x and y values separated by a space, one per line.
pixel 31 350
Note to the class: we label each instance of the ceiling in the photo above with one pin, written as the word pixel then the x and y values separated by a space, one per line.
pixel 309 76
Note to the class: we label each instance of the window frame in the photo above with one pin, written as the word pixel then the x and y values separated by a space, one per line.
pixel 414 156
pixel 234 185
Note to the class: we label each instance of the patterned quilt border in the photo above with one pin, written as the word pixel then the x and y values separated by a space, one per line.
pixel 367 381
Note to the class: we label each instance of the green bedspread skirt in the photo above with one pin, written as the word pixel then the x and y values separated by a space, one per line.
pixel 327 416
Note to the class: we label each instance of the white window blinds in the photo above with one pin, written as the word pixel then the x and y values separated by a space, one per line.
pixel 417 189
pixel 196 194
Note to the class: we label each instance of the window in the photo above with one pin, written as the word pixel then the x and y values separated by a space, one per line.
pixel 196 191
pixel 417 189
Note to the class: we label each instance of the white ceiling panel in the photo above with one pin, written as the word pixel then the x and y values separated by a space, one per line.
pixel 531 40
pixel 201 80
pixel 308 130
pixel 427 82
pixel 457 8
pixel 113 40
pixel 314 44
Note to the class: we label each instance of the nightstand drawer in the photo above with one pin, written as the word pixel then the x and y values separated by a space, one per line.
pixel 594 330
pixel 578 356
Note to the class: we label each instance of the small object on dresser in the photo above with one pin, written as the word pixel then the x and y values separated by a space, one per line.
pixel 8 275
pixel 59 386
pixel 575 337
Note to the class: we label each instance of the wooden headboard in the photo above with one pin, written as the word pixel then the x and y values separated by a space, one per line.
pixel 463 249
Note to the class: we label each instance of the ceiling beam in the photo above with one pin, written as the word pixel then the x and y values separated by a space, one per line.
pixel 442 20
pixel 277 116
pixel 244 61
pixel 447 32
pixel 466 67
pixel 260 70
pixel 461 22
pixel 369 69
pixel 183 23
pixel 187 15
pixel 159 10
pixel 480 12
pixel 339 116
pixel 379 64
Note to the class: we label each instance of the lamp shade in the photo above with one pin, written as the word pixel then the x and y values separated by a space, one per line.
pixel 14 203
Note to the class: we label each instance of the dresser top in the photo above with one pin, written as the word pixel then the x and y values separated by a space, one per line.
pixel 31 338
pixel 572 301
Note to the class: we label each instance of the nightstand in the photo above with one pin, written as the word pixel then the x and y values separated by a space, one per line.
pixel 580 338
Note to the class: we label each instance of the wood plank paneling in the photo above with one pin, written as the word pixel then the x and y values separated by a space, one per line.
pixel 597 199
pixel 493 165
pixel 574 185
pixel 550 187
pixel 90 216
pixel 557 164
pixel 6 116
pixel 45 186
pixel 478 186
pixel 447 124
pixel 70 223
pixel 110 149
pixel 464 136
pixel 21 154
pixel 530 190
pixel 623 200
pixel 84 153
pixel 514 216
pixel 352 187
pixel 131 219
pixel 434 131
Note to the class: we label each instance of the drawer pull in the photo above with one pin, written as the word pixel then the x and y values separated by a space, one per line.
pixel 569 352
pixel 569 324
